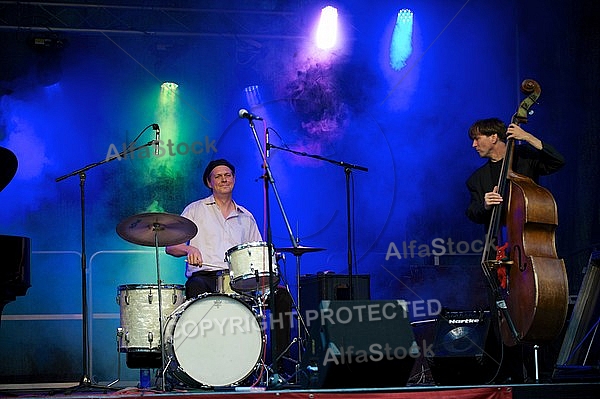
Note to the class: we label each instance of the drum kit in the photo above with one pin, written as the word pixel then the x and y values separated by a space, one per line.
pixel 211 341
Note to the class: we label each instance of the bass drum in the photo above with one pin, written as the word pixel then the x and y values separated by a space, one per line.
pixel 214 340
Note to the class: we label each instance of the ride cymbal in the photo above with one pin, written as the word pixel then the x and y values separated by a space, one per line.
pixel 166 228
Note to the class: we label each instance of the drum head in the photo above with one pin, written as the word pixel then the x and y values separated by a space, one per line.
pixel 239 247
pixel 216 341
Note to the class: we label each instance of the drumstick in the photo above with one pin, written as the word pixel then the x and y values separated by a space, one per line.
pixel 203 264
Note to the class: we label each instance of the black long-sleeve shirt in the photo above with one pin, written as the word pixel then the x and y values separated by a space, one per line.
pixel 527 161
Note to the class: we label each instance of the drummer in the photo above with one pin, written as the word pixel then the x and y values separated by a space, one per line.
pixel 223 224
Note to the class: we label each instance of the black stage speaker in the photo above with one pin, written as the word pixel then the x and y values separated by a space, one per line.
pixel 315 288
pixel 359 344
pixel 464 350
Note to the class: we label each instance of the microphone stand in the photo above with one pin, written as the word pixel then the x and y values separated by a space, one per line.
pixel 348 171
pixel 86 380
pixel 268 180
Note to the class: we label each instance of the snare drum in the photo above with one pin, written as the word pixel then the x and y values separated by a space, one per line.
pixel 249 267
pixel 214 340
pixel 223 283
pixel 139 314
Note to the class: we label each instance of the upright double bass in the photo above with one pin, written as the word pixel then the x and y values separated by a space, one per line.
pixel 527 278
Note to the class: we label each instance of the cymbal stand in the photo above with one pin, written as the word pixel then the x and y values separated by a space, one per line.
pixel 163 367
pixel 86 381
pixel 301 322
pixel 302 327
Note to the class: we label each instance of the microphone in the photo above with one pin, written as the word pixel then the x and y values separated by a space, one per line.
pixel 156 140
pixel 244 114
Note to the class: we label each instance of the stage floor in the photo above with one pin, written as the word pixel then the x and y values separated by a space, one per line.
pixel 579 390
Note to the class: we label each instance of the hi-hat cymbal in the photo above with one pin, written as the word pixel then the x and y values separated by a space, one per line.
pixel 169 229
pixel 299 250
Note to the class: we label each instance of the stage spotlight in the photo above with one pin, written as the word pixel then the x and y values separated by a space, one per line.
pixel 48 58
pixel 253 97
pixel 170 86
pixel 168 94
pixel 401 46
pixel 327 28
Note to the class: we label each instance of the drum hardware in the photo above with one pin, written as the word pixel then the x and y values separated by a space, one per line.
pixel 157 230
pixel 119 336
pixel 303 332
pixel 272 376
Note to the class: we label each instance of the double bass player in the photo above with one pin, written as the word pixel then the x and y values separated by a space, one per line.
pixel 532 158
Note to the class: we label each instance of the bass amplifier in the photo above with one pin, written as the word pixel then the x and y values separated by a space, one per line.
pixel 464 350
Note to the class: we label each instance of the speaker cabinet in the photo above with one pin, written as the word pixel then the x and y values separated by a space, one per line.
pixel 333 287
pixel 359 344
pixel 464 350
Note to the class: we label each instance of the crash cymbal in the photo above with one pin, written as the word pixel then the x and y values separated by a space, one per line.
pixel 170 229
pixel 299 250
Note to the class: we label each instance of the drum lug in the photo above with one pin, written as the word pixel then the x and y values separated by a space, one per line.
pixel 139 325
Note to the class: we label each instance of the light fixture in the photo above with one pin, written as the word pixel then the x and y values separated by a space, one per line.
pixel 327 28
pixel 169 86
pixel 253 97
pixel 401 45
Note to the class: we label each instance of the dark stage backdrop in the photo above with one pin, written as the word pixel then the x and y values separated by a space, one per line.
pixel 62 109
